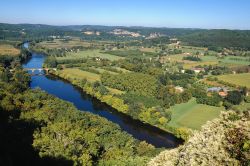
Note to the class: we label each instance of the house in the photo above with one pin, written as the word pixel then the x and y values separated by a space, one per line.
pixel 187 53
pixel 223 94
pixel 222 91
pixel 214 89
pixel 198 70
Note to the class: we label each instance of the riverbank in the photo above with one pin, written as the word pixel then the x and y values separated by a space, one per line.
pixel 84 102
pixel 118 104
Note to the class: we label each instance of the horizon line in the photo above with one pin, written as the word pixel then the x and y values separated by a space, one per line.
pixel 127 26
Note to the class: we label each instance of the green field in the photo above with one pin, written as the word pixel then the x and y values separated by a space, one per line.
pixel 242 107
pixel 237 79
pixel 59 43
pixel 103 70
pixel 89 54
pixel 209 60
pixel 91 77
pixel 193 115
pixel 77 73
pixel 122 69
pixel 131 53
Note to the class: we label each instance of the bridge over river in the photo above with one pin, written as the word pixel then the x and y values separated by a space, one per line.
pixel 40 70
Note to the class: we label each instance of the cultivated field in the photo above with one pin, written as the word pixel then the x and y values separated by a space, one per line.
pixel 237 79
pixel 79 74
pixel 6 49
pixel 89 54
pixel 74 42
pixel 193 115
pixel 228 61
pixel 60 43
pixel 91 77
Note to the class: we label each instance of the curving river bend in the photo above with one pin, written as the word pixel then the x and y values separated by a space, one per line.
pixel 66 91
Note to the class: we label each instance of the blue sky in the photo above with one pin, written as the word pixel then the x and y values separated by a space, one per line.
pixel 231 14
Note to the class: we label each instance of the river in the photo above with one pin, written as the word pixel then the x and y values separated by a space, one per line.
pixel 66 91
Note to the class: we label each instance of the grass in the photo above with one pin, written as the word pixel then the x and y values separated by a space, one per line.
pixel 89 54
pixel 131 53
pixel 59 43
pixel 115 91
pixel 122 69
pixel 212 83
pixel 91 77
pixel 193 115
pixel 228 61
pixel 103 70
pixel 206 60
pixel 240 61
pixel 77 73
pixel 237 79
pixel 147 49
pixel 75 41
pixel 6 49
pixel 242 107
pixel 194 64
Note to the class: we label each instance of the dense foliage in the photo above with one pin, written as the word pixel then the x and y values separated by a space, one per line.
pixel 130 53
pixel 60 131
pixel 135 82
pixel 192 58
pixel 218 39
pixel 223 141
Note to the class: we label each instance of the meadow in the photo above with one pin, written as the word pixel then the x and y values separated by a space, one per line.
pixel 237 79
pixel 193 115
pixel 60 43
pixel 73 42
pixel 228 61
pixel 75 73
pixel 89 54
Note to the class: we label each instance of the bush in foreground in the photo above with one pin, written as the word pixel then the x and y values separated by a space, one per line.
pixel 223 141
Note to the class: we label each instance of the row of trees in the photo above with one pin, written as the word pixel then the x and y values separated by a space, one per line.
pixel 135 109
pixel 192 58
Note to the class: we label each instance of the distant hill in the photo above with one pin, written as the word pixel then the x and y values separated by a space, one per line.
pixel 214 38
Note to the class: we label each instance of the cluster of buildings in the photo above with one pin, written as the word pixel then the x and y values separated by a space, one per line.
pixel 222 91
pixel 154 35
pixel 196 70
pixel 92 33
pixel 125 33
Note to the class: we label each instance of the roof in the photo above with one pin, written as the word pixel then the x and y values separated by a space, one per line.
pixel 214 89
pixel 217 89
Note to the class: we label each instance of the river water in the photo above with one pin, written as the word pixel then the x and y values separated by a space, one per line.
pixel 66 91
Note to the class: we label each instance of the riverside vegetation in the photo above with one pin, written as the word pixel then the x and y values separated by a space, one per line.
pixel 163 81
pixel 58 132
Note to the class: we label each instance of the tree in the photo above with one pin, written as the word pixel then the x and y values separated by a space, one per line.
pixel 234 97
pixel 51 61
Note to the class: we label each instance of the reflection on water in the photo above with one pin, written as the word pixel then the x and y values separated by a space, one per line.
pixel 64 90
